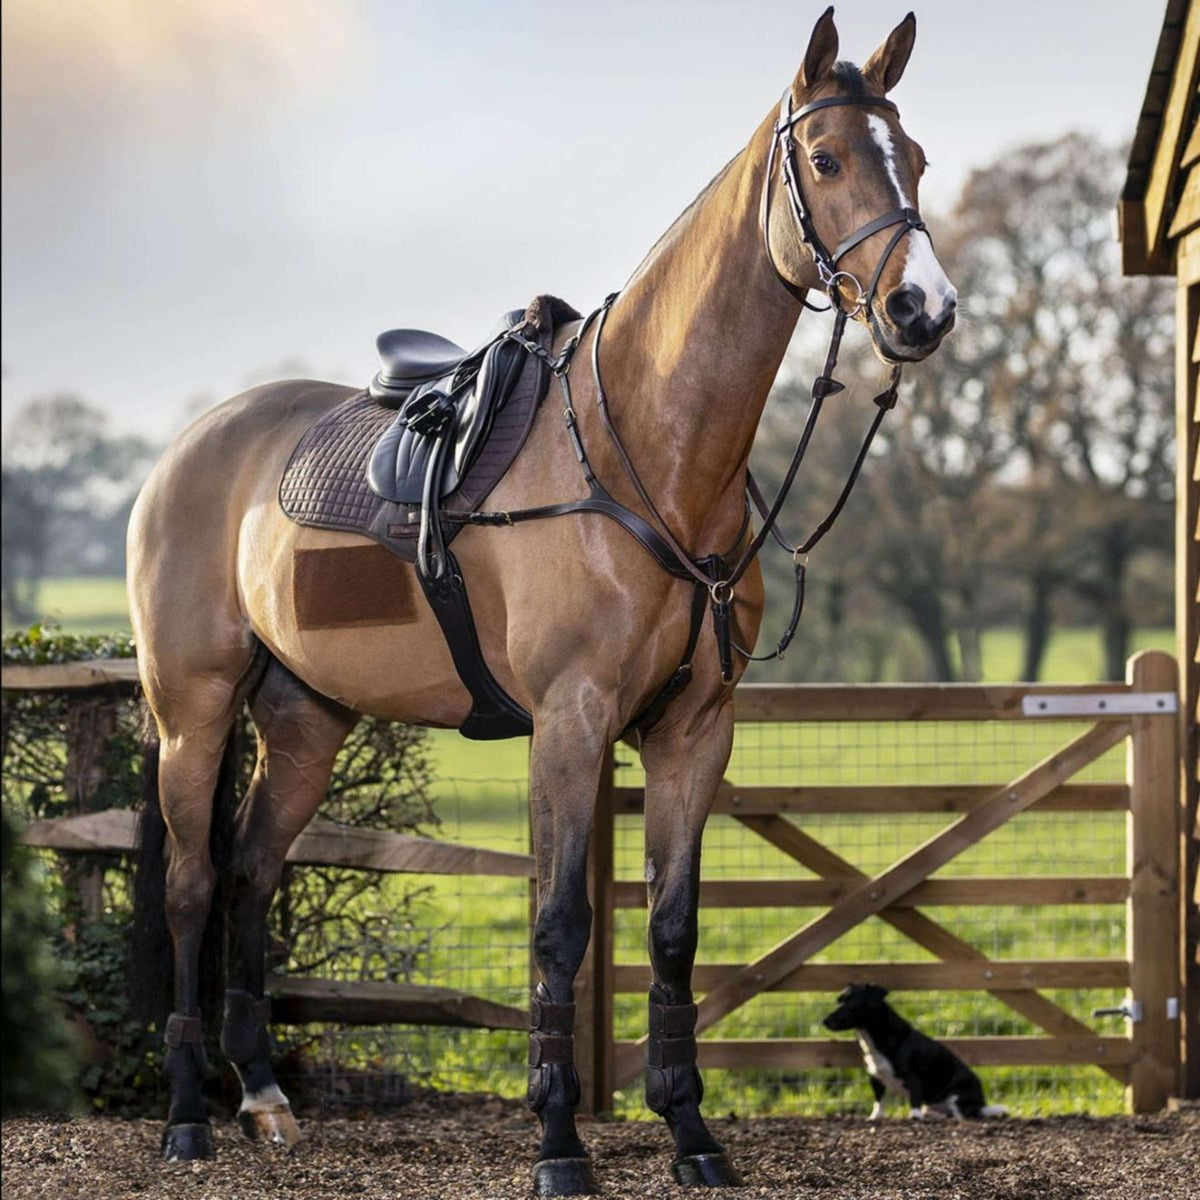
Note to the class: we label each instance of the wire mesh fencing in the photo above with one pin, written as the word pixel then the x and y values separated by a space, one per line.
pixel 898 755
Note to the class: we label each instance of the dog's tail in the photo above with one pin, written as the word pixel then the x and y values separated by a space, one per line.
pixel 993 1110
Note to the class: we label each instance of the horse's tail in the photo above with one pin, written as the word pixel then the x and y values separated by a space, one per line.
pixel 151 976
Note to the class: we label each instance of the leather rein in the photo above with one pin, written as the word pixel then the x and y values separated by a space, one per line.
pixel 716 576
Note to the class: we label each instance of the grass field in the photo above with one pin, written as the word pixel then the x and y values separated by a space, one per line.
pixel 479 939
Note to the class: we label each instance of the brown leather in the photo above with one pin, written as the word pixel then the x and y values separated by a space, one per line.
pixel 325 482
pixel 347 587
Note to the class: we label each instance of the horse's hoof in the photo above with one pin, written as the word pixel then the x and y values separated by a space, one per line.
pixel 564 1177
pixel 183 1143
pixel 706 1170
pixel 273 1123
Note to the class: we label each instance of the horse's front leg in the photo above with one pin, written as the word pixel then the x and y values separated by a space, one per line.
pixel 685 758
pixel 565 763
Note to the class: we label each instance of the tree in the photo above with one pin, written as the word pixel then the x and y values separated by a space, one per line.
pixel 67 481
pixel 1079 363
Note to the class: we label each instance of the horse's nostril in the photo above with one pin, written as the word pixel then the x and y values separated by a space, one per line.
pixel 905 304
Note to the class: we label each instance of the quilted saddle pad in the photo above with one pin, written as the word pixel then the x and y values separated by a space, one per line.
pixel 325 486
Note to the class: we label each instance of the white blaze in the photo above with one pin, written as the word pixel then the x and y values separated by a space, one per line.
pixel 921 267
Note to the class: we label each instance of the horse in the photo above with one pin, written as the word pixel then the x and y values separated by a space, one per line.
pixel 576 622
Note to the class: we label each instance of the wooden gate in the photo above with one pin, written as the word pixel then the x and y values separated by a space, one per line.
pixel 1140 713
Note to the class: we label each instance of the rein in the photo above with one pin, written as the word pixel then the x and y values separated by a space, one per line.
pixel 713 576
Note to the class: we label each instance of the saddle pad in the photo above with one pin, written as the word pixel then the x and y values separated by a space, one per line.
pixel 325 483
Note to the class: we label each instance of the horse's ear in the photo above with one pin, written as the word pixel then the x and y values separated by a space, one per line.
pixel 821 53
pixel 887 64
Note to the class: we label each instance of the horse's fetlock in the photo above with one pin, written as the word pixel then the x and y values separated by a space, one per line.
pixel 669 1089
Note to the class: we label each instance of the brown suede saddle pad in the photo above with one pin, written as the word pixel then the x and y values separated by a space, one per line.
pixel 325 483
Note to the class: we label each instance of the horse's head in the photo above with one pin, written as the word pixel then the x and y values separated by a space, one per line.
pixel 850 173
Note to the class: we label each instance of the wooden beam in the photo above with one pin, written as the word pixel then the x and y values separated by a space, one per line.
pixel 1018 890
pixel 900 701
pixel 296 1001
pixel 323 843
pixel 1160 186
pixel 1153 923
pixel 886 799
pixel 911 976
pixel 790 1054
pixel 70 676
pixel 329 844
pixel 876 894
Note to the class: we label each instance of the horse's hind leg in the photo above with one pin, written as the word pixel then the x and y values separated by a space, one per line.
pixel 684 758
pixel 565 765
pixel 299 735
pixel 193 735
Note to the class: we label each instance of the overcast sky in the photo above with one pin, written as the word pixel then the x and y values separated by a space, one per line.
pixel 204 193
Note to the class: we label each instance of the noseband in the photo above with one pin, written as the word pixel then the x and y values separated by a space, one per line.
pixel 831 276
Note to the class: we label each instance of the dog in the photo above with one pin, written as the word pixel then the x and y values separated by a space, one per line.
pixel 899 1058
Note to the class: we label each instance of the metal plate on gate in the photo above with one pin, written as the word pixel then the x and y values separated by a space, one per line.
pixel 1099 704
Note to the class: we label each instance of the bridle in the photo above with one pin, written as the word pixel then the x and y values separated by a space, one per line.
pixel 713 578
pixel 830 274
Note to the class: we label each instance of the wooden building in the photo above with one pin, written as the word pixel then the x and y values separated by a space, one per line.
pixel 1159 215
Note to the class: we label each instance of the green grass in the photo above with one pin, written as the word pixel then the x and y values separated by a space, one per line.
pixel 83 604
pixel 480 938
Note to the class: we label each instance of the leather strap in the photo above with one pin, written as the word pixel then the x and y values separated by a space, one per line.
pixel 494 713
pixel 546 1017
pixel 182 1030
pixel 672 1033
pixel 552 1030
pixel 837 101
pixel 672 1020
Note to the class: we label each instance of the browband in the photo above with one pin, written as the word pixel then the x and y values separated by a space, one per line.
pixel 834 101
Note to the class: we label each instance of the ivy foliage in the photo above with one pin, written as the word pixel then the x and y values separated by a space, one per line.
pixel 37 1054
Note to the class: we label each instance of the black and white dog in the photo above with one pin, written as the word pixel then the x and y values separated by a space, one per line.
pixel 900 1059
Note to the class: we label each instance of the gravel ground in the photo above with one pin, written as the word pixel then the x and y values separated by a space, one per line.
pixel 483 1148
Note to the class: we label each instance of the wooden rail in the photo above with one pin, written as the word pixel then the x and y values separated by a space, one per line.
pixel 790 1054
pixel 323 843
pixel 297 1001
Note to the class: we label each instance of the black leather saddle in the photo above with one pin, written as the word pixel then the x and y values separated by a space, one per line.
pixel 447 400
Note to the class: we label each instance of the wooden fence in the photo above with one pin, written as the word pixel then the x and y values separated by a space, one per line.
pixel 1142 713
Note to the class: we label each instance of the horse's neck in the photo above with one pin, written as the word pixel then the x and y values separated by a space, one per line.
pixel 690 352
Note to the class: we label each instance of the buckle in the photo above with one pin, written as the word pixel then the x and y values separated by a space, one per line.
pixel 429 413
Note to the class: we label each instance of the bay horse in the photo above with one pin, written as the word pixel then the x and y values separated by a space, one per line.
pixel 576 622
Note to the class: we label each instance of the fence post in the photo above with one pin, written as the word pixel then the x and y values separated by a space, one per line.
pixel 91 719
pixel 594 983
pixel 1154 856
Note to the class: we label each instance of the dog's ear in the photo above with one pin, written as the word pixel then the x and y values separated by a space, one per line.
pixel 876 992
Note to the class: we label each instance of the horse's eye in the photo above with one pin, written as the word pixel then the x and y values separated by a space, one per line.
pixel 824 164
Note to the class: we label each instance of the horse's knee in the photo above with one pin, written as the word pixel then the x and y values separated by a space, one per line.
pixel 674 933
pixel 561 932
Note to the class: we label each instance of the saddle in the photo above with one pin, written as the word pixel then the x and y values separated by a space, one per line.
pixel 409 459
pixel 443 394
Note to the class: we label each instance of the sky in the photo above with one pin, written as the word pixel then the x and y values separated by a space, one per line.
pixel 204 194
